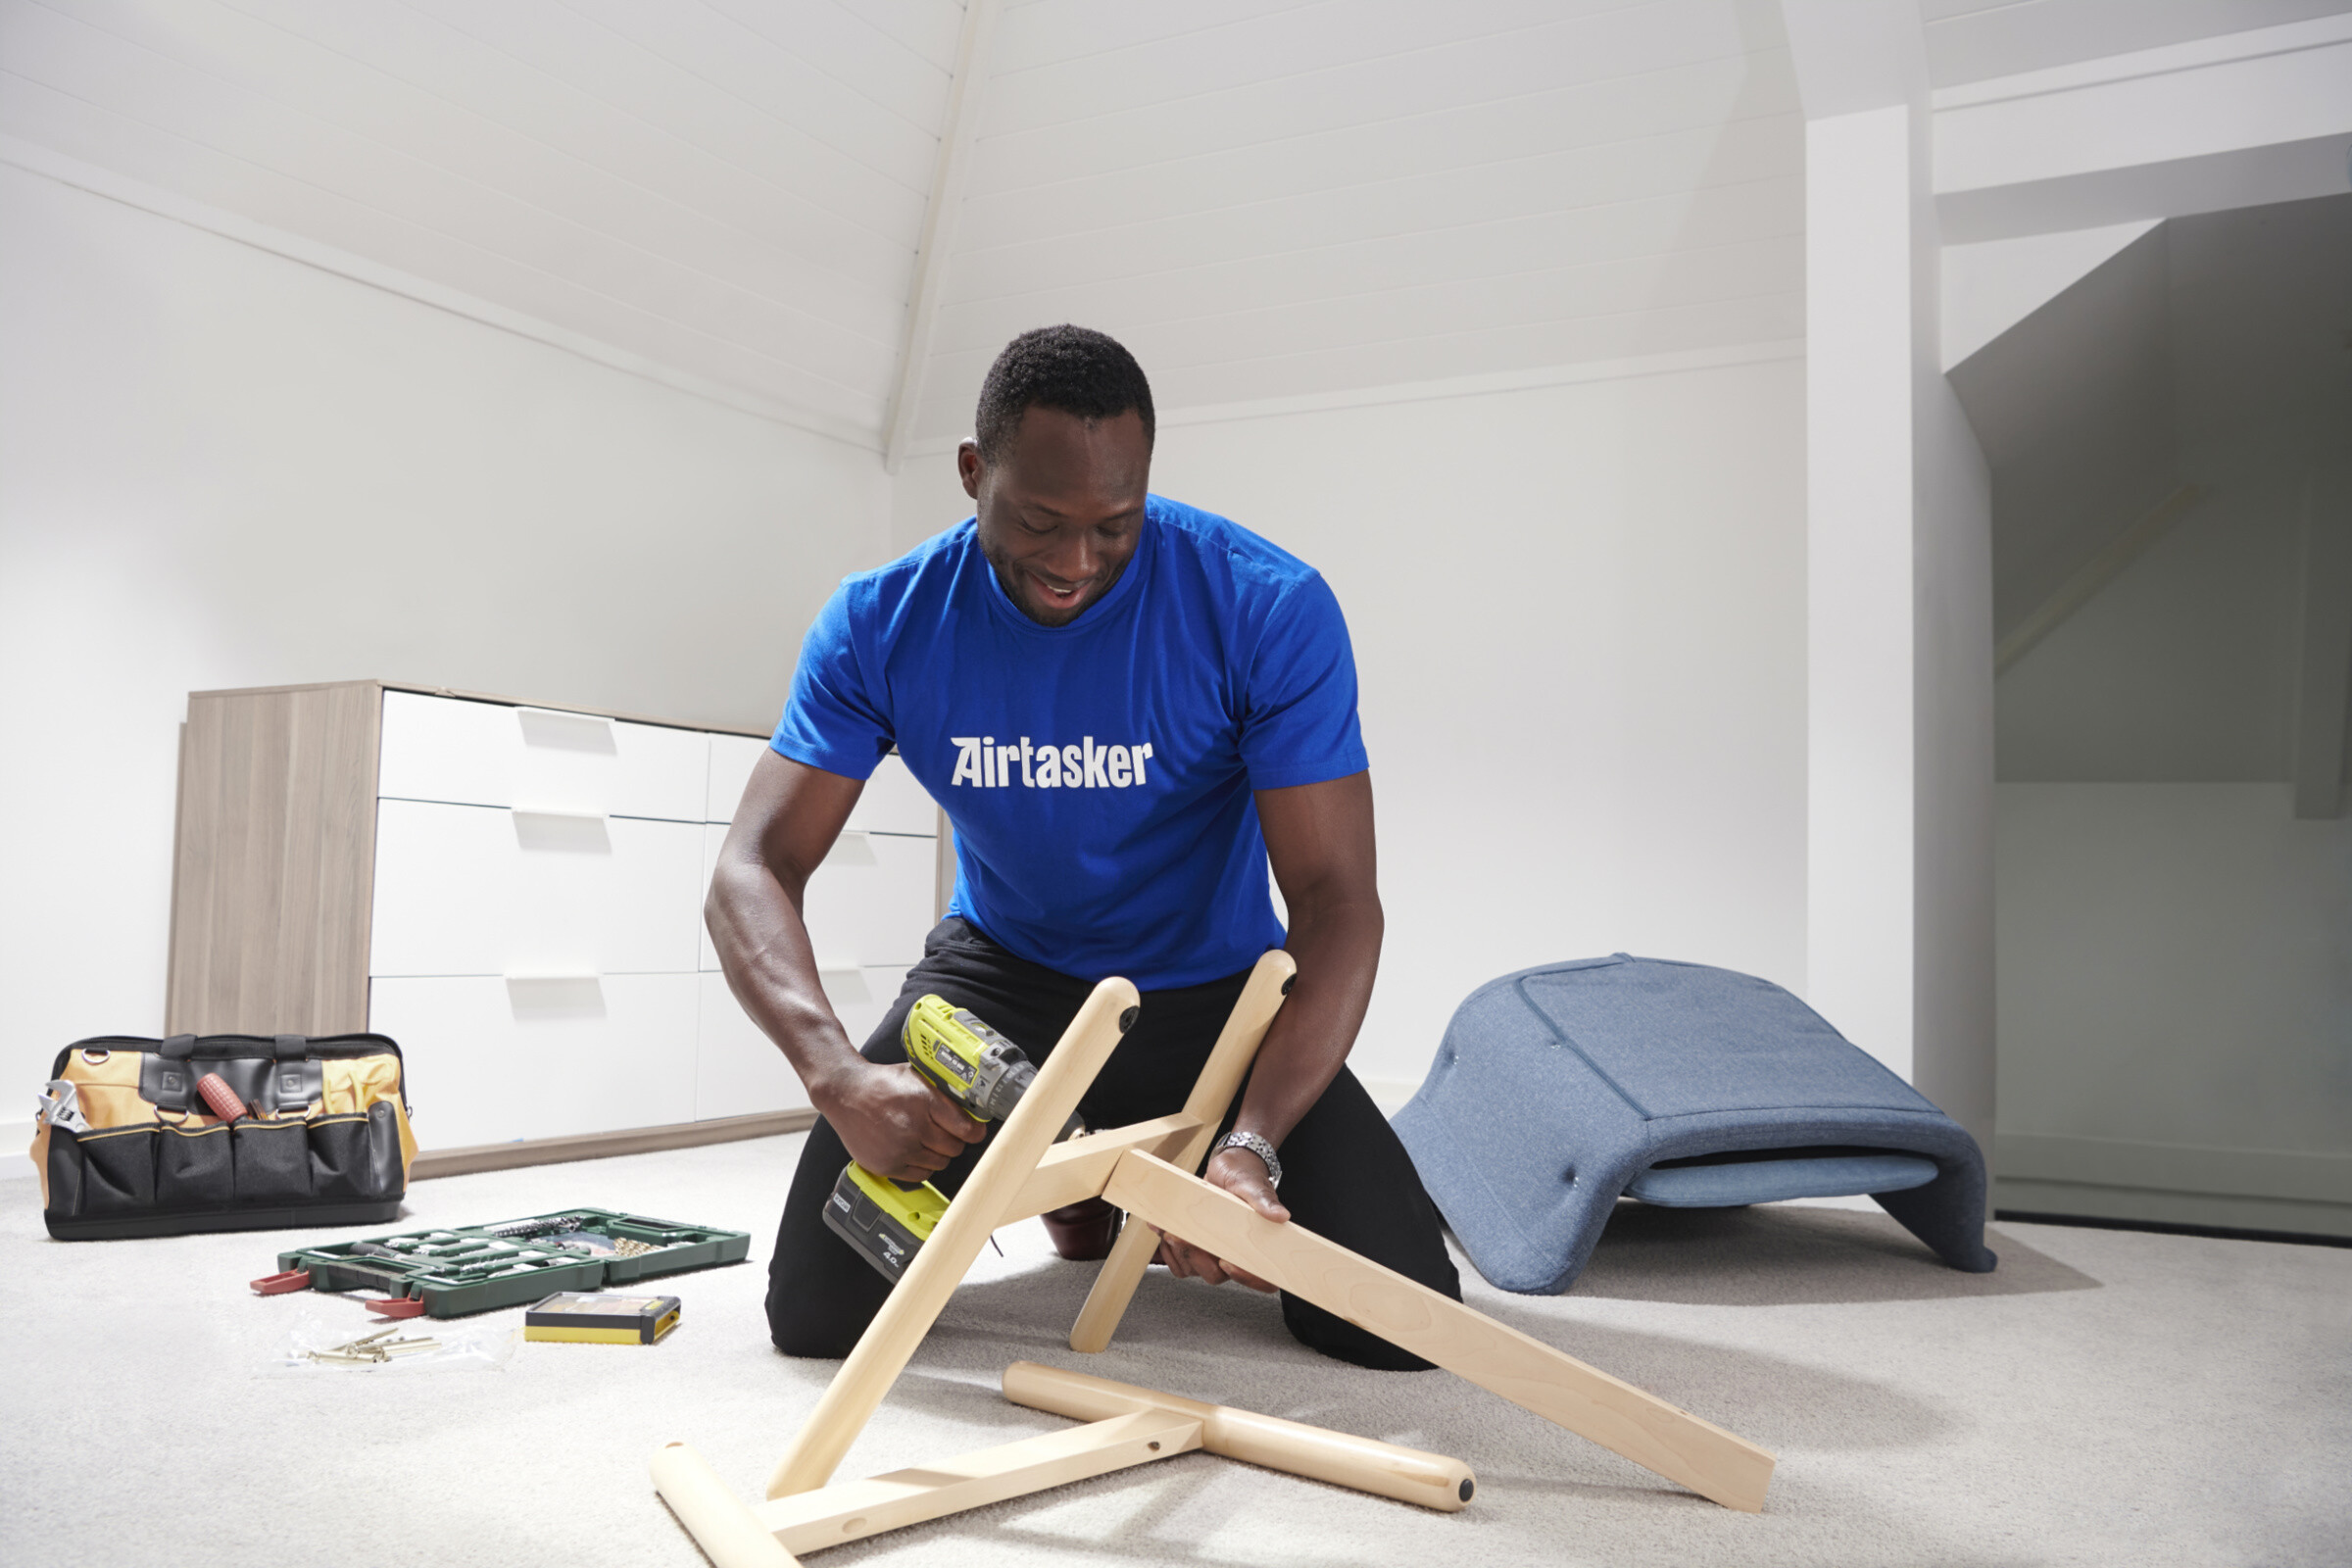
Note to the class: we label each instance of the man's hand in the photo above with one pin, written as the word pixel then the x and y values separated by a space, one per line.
pixel 895 1123
pixel 1243 1174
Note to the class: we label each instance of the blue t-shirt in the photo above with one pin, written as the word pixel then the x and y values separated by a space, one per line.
pixel 1098 774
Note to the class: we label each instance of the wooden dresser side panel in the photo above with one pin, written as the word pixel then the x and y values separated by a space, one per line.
pixel 276 863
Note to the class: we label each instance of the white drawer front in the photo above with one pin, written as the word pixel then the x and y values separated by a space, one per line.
pixel 891 803
pixel 860 996
pixel 488 754
pixel 870 901
pixel 464 890
pixel 732 758
pixel 894 803
pixel 738 1070
pixel 491 1060
pixel 714 834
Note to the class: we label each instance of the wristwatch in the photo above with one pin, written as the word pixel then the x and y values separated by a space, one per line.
pixel 1256 1145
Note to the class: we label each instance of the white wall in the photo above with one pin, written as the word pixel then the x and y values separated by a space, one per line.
pixel 2174 944
pixel 220 468
pixel 2175 1005
pixel 1579 621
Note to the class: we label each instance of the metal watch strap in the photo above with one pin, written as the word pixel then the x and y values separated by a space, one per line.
pixel 1256 1145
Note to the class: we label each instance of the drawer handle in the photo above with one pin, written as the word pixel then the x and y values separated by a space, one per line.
pixel 556 996
pixel 562 832
pixel 567 732
pixel 854 848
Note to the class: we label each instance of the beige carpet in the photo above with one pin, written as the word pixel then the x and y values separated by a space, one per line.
pixel 2104 1398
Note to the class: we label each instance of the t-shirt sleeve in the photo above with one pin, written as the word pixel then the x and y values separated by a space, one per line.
pixel 1298 723
pixel 833 719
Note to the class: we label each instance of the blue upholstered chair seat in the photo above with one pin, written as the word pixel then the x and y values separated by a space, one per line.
pixel 1559 1089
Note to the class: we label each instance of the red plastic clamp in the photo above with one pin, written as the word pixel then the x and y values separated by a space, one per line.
pixel 293 1279
pixel 397 1307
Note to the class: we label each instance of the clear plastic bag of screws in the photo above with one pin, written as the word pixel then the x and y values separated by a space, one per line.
pixel 316 1348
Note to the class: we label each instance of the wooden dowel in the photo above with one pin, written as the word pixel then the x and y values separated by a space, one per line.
pixel 1526 1371
pixel 1409 1475
pixel 852 1510
pixel 1212 1092
pixel 730 1534
pixel 882 1351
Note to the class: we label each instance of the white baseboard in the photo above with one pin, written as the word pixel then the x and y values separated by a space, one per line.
pixel 15 1137
pixel 2174 1184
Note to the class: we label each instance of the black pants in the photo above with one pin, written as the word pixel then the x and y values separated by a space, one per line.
pixel 1345 1174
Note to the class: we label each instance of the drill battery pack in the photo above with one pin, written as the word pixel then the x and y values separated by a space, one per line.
pixel 885 1223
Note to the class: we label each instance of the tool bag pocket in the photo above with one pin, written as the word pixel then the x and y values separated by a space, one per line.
pixel 194 1164
pixel 115 1171
pixel 356 1160
pixel 128 1144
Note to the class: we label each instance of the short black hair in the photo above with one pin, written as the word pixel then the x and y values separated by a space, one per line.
pixel 1073 369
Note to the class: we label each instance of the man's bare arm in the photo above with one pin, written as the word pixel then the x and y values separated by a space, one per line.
pixel 894 1123
pixel 1320 840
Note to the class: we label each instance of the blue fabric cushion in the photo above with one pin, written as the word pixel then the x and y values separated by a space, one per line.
pixel 1558 1088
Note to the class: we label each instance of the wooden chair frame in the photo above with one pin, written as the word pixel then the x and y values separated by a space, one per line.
pixel 1148 1169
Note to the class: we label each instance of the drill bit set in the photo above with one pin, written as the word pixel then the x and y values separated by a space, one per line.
pixel 480 1268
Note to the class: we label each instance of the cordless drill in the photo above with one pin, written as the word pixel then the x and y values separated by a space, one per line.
pixel 985 1075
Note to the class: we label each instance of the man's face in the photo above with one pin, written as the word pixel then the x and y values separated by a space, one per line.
pixel 1061 508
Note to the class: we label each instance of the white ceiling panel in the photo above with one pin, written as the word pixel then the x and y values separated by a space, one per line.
pixel 1599 185
pixel 1267 197
pixel 1977 40
pixel 1049 32
pixel 1279 199
pixel 1651 233
pixel 1590 117
pixel 733 188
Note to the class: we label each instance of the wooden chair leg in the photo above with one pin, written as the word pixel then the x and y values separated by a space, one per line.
pixel 882 1351
pixel 1212 1092
pixel 1526 1371
pixel 730 1534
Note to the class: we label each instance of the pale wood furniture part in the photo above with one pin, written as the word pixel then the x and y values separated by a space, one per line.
pixel 1212 1092
pixel 1524 1370
pixel 514 893
pixel 1022 1173
pixel 907 1315
pixel 1387 1469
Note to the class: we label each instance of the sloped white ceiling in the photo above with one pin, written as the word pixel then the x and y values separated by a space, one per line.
pixel 730 187
pixel 1269 200
pixel 1976 40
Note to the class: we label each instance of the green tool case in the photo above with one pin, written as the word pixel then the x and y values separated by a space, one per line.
pixel 480 1268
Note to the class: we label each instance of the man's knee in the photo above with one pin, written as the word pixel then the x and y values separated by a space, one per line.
pixel 798 1324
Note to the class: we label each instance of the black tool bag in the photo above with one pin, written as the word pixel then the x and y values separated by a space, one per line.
pixel 131 1144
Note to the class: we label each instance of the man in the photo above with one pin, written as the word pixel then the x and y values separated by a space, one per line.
pixel 1126 707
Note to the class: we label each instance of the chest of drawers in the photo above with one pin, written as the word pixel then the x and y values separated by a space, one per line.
pixel 514 893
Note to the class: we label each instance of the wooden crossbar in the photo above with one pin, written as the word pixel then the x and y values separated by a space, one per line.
pixel 852 1510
